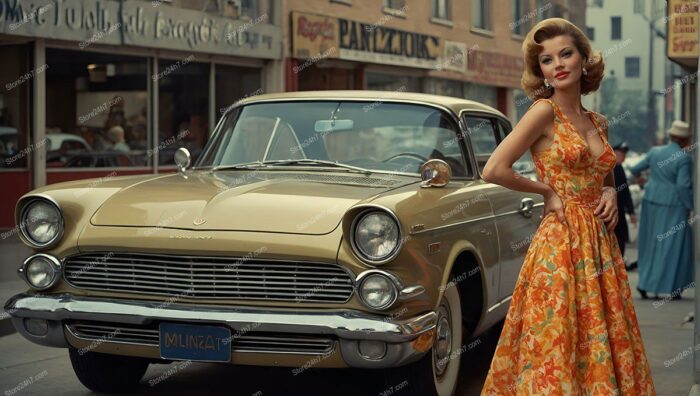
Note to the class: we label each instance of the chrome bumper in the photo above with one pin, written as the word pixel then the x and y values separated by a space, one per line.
pixel 349 326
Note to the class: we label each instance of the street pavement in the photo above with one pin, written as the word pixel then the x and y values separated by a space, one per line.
pixel 28 369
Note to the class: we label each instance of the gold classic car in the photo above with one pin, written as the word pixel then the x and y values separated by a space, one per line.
pixel 346 228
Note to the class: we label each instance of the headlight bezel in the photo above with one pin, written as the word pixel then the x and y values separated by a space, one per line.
pixel 23 222
pixel 367 210
pixel 393 281
pixel 55 266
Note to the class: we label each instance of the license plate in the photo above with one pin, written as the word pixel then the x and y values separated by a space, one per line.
pixel 197 343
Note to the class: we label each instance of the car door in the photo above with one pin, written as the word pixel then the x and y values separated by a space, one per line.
pixel 516 214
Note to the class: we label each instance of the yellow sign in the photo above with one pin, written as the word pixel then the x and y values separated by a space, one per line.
pixel 683 29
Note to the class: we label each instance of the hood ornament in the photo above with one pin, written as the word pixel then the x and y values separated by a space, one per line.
pixel 198 221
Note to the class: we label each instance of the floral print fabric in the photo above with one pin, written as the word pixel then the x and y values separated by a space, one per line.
pixel 571 328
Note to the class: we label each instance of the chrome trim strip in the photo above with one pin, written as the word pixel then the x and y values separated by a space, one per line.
pixel 70 329
pixel 498 304
pixel 460 223
pixel 346 324
pixel 410 292
pixel 512 212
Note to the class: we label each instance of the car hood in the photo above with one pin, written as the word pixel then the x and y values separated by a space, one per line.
pixel 264 201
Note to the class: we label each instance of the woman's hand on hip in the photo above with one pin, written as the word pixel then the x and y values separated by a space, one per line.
pixel 607 208
pixel 552 203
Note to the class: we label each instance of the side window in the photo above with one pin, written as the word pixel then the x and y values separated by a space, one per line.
pixel 483 138
pixel 524 165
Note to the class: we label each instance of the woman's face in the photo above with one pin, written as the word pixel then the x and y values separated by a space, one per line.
pixel 561 62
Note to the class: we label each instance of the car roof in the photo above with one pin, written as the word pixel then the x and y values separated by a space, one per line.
pixel 456 105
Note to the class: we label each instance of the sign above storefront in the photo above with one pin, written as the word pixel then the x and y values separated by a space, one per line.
pixel 682 43
pixel 494 68
pixel 140 23
pixel 315 35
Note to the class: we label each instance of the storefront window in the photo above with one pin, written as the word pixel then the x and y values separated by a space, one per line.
pixel 481 93
pixel 183 107
pixel 438 86
pixel 16 78
pixel 392 82
pixel 96 110
pixel 234 83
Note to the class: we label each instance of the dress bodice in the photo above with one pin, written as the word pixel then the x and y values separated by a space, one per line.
pixel 568 166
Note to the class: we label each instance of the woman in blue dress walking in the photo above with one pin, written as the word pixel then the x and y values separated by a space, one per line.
pixel 665 242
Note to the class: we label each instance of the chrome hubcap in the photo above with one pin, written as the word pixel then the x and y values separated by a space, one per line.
pixel 443 341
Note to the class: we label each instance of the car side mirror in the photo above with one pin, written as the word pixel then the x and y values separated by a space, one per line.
pixel 435 173
pixel 182 159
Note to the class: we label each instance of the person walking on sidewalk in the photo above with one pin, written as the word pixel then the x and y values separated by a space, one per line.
pixel 571 326
pixel 624 199
pixel 665 242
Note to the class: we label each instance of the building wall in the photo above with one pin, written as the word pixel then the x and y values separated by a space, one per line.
pixel 502 42
pixel 635 42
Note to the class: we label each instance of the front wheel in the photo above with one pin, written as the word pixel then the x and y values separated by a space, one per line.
pixel 437 373
pixel 107 373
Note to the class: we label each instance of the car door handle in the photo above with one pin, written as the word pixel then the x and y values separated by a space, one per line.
pixel 526 206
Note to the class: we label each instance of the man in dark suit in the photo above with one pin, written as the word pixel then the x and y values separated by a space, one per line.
pixel 624 200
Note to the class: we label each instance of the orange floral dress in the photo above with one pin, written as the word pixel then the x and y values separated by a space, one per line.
pixel 571 328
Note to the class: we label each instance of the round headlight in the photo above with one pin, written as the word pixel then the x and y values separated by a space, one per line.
pixel 376 236
pixel 41 223
pixel 41 271
pixel 378 291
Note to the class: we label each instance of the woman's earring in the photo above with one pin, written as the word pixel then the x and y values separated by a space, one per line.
pixel 546 83
pixel 584 71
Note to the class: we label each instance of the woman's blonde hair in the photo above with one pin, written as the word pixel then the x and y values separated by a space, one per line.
pixel 533 79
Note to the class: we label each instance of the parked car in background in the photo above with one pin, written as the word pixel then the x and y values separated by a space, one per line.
pixel 347 228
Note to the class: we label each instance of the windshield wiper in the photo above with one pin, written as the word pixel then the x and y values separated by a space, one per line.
pixel 309 161
pixel 246 165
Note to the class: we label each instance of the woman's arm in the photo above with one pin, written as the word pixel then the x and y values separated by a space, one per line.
pixel 641 165
pixel 499 167
pixel 684 184
pixel 607 207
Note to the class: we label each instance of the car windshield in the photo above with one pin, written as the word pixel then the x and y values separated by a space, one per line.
pixel 370 136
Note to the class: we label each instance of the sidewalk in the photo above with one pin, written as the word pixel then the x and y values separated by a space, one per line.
pixel 665 336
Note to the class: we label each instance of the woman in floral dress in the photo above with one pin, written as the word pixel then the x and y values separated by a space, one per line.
pixel 571 328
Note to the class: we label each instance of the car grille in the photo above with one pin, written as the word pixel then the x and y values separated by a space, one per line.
pixel 209 277
pixel 240 342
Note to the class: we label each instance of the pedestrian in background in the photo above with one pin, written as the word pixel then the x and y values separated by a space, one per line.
pixel 665 242
pixel 624 198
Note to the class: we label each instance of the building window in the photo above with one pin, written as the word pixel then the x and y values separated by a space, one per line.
pixel 632 66
pixel 392 82
pixel 14 111
pixel 234 83
pixel 441 9
pixel 544 9
pixel 96 110
pixel 596 3
pixel 183 107
pixel 616 27
pixel 518 19
pixel 590 32
pixel 481 14
pixel 395 4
